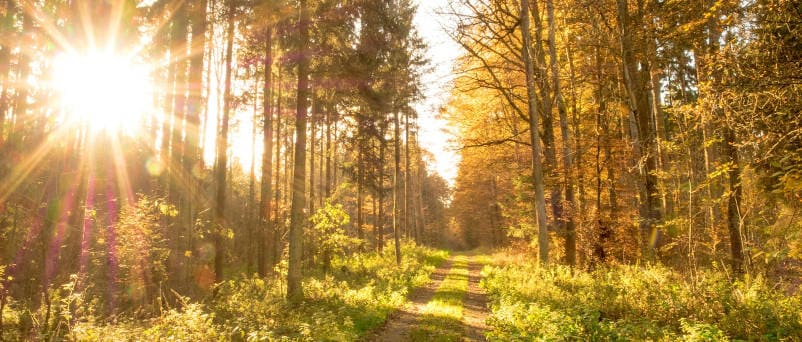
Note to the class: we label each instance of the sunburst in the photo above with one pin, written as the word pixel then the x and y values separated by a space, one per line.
pixel 103 90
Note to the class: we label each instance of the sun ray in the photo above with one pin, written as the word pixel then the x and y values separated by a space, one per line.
pixel 24 167
pixel 49 27
pixel 121 172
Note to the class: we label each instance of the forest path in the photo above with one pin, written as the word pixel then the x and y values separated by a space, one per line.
pixel 451 307
pixel 475 306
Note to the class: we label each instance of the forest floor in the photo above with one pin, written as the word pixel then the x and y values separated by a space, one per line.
pixel 451 307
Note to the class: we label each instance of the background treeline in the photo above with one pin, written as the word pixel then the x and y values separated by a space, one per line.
pixel 323 89
pixel 666 130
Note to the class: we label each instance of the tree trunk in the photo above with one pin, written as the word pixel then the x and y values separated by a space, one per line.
pixel 360 178
pixel 193 156
pixel 21 101
pixel 397 185
pixel 375 223
pixel 380 188
pixel 178 54
pixel 312 136
pixel 410 233
pixel 645 135
pixel 255 244
pixel 267 231
pixel 5 57
pixel 222 157
pixel 328 152
pixel 733 202
pixel 297 221
pixel 540 74
pixel 275 252
pixel 421 218
pixel 569 226
pixel 534 137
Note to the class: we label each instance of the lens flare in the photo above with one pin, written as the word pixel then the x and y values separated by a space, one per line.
pixel 108 92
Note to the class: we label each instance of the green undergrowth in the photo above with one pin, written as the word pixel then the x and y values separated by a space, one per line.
pixel 356 296
pixel 442 316
pixel 532 303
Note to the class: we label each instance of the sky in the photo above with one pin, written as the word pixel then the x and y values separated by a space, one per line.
pixel 442 52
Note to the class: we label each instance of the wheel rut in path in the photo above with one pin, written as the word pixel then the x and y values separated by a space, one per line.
pixel 401 322
pixel 474 308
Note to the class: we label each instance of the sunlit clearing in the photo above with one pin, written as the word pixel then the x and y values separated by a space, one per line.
pixel 106 91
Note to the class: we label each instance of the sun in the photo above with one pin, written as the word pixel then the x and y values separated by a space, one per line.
pixel 105 91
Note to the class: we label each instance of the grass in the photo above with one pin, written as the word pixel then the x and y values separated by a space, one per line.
pixel 554 303
pixel 442 316
pixel 355 297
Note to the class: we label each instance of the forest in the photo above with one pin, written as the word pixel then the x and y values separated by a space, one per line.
pixel 263 170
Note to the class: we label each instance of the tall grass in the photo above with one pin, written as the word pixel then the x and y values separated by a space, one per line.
pixel 529 303
pixel 355 296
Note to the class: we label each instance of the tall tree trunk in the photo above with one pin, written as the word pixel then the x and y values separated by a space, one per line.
pixel 375 223
pixel 329 118
pixel 396 185
pixel 569 226
pixel 255 244
pixel 267 231
pixel 541 75
pixel 193 156
pixel 579 207
pixel 599 242
pixel 360 179
pixel 312 137
pixel 640 105
pixel 421 177
pixel 534 137
pixel 406 179
pixel 179 57
pixel 733 201
pixel 275 252
pixel 294 290
pixel 380 188
pixel 5 58
pixel 222 156
pixel 321 180
pixel 21 101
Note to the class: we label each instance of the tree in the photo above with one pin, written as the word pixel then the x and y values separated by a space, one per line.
pixel 534 138
pixel 297 221
pixel 221 164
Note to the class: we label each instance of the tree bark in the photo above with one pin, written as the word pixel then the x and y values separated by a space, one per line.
pixel 222 157
pixel 267 232
pixel 193 155
pixel 534 137
pixel 569 229
pixel 360 179
pixel 410 233
pixel 294 290
pixel 733 201
pixel 380 187
pixel 397 185
pixel 645 135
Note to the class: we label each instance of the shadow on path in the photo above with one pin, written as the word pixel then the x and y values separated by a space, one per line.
pixel 401 322
pixel 475 310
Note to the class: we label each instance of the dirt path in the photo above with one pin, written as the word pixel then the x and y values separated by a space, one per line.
pixel 474 310
pixel 401 322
